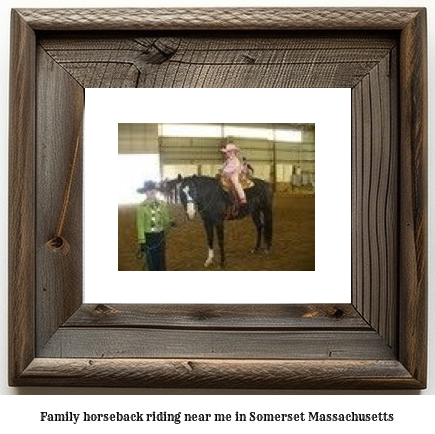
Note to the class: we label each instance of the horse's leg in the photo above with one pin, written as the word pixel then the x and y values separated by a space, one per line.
pixel 220 235
pixel 209 231
pixel 268 227
pixel 256 217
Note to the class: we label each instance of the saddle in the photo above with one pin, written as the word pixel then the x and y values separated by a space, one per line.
pixel 227 186
pixel 234 210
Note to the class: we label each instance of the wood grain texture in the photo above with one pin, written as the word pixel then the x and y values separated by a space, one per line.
pixel 228 374
pixel 236 60
pixel 21 197
pixel 220 317
pixel 392 299
pixel 413 187
pixel 375 198
pixel 220 18
pixel 58 277
pixel 95 342
pixel 378 342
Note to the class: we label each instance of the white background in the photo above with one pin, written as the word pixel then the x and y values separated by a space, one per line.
pixel 414 413
pixel 329 109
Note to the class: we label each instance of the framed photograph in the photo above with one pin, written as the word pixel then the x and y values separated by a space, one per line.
pixel 283 159
pixel 375 341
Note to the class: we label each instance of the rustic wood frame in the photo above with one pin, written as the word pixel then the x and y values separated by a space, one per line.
pixel 378 341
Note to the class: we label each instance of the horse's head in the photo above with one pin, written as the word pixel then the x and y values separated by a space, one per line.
pixel 188 196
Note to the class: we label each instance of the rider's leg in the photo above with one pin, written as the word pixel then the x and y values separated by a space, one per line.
pixel 239 190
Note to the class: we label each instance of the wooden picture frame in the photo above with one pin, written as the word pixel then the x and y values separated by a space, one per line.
pixel 376 342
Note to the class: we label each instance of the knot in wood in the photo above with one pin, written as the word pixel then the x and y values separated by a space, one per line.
pixel 58 244
pixel 103 309
pixel 338 313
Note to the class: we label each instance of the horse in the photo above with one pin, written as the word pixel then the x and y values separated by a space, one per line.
pixel 205 195
pixel 169 188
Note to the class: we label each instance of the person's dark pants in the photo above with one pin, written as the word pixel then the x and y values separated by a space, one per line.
pixel 155 251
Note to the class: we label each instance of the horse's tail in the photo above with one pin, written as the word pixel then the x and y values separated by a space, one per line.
pixel 268 219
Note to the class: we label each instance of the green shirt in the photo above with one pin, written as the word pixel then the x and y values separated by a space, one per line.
pixel 152 216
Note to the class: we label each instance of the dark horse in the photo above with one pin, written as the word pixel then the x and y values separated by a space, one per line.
pixel 205 195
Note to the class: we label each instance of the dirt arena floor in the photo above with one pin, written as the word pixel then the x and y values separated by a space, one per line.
pixel 293 246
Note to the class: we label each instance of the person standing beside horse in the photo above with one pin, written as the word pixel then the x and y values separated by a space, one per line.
pixel 232 168
pixel 152 223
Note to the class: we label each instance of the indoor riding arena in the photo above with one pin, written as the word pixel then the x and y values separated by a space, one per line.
pixel 281 154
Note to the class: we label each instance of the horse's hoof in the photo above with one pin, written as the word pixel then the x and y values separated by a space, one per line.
pixel 255 250
pixel 207 263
